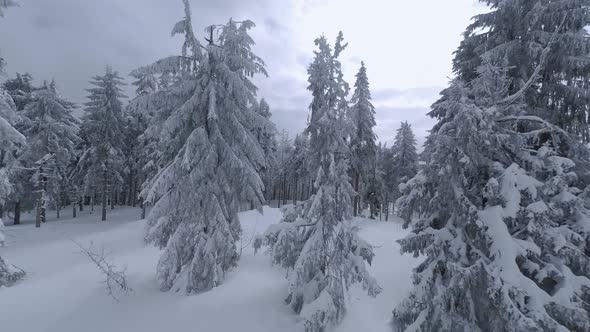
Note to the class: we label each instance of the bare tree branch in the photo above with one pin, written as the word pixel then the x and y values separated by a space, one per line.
pixel 115 279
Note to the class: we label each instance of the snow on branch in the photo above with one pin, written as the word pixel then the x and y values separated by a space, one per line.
pixel 512 98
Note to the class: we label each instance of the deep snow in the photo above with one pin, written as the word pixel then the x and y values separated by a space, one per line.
pixel 62 291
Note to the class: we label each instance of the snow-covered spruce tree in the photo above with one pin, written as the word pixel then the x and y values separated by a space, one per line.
pixel 52 135
pixel 298 167
pixel 283 162
pixel 138 114
pixel 514 33
pixel 363 149
pixel 404 157
pixel 266 137
pixel 20 89
pixel 315 241
pixel 10 140
pixel 387 177
pixel 207 126
pixel 100 165
pixel 500 214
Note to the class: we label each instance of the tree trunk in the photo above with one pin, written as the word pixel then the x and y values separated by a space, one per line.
pixel 285 189
pixel 74 211
pixel 142 209
pixel 41 202
pixel 134 193
pixel 295 191
pixel 279 195
pixel 43 199
pixel 92 198
pixel 113 198
pixel 104 195
pixel 57 207
pixel 81 203
pixel 38 215
pixel 17 212
pixel 356 201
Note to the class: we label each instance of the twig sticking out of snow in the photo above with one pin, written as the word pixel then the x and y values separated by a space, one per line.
pixel 115 279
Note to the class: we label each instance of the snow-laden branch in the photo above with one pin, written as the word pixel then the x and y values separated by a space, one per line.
pixel 512 98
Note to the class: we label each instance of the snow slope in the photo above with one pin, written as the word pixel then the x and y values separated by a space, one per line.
pixel 62 291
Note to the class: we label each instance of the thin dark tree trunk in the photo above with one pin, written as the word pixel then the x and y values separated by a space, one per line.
pixel 73 210
pixel 280 192
pixel 17 212
pixel 38 215
pixel 81 203
pixel 295 191
pixel 356 207
pixel 104 194
pixel 41 201
pixel 133 193
pixel 285 189
pixel 142 208
pixel 113 198
pixel 57 207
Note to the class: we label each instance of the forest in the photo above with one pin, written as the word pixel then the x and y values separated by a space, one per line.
pixel 185 202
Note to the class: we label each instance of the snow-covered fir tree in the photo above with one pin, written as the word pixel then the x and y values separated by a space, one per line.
pixel 404 157
pixel 207 128
pixel 52 135
pixel 101 164
pixel 266 137
pixel 20 89
pixel 514 33
pixel 363 149
pixel 298 167
pixel 501 213
pixel 315 241
pixel 151 98
pixel 283 169
pixel 10 140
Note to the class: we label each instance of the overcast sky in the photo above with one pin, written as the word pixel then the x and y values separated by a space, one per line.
pixel 406 45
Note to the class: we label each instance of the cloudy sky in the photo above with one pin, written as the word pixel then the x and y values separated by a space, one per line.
pixel 406 45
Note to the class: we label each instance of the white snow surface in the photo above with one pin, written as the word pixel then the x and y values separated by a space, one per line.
pixel 63 291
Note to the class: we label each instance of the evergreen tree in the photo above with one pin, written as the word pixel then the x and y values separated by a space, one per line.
pixel 298 167
pixel 514 34
pixel 20 89
pixel 10 140
pixel 101 163
pixel 52 134
pixel 404 158
pixel 315 240
pixel 283 159
pixel 207 128
pixel 501 213
pixel 363 149
pixel 266 137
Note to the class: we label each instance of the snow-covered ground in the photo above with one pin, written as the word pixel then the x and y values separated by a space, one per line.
pixel 62 291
